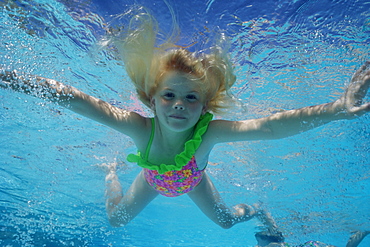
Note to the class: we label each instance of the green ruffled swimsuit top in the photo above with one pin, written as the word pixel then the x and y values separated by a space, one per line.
pixel 181 159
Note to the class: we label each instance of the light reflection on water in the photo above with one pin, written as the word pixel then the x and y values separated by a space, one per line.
pixel 287 55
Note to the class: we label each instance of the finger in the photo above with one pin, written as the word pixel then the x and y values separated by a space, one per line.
pixel 362 69
pixel 6 76
pixel 360 110
pixel 366 66
pixel 359 87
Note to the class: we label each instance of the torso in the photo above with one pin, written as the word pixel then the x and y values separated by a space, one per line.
pixel 160 154
pixel 177 180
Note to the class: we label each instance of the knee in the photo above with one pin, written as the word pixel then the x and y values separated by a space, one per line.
pixel 240 213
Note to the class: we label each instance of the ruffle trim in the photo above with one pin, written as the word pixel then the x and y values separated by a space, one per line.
pixel 182 158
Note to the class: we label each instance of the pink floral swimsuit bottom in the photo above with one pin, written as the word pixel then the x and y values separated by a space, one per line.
pixel 175 183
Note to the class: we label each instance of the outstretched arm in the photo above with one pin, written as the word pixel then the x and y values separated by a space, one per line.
pixel 67 96
pixel 292 122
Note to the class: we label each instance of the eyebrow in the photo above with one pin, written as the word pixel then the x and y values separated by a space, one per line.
pixel 169 89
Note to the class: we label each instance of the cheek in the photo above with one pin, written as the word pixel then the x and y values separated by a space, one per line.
pixel 196 107
pixel 163 104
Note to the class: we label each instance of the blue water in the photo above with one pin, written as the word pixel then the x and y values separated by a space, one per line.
pixel 288 54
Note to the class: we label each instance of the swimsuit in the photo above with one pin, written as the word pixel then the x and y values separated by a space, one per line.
pixel 179 178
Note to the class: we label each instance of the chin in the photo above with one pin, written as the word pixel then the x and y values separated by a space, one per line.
pixel 181 125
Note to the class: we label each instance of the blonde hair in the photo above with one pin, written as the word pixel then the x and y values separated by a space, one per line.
pixel 147 63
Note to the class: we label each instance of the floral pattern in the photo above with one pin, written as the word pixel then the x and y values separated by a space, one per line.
pixel 175 183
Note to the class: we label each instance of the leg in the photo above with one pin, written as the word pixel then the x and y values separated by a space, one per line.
pixel 272 236
pixel 356 238
pixel 207 198
pixel 122 209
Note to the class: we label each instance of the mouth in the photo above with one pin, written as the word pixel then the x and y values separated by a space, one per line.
pixel 177 117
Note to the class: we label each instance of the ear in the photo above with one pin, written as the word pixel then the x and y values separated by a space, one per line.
pixel 152 103
pixel 204 110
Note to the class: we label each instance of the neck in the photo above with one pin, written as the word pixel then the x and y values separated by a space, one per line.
pixel 172 139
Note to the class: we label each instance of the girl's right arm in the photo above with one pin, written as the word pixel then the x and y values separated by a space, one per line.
pixel 127 122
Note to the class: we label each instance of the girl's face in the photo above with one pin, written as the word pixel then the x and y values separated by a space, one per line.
pixel 178 101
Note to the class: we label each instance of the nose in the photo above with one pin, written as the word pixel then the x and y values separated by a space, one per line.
pixel 178 106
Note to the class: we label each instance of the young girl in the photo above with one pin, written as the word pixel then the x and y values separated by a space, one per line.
pixel 183 89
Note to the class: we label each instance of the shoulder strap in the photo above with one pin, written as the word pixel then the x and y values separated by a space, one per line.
pixel 150 140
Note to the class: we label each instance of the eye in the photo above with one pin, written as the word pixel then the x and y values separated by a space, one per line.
pixel 168 95
pixel 191 97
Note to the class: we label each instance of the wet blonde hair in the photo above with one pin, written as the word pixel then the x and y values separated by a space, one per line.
pixel 146 63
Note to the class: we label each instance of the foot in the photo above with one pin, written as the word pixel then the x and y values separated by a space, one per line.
pixel 265 218
pixel 266 238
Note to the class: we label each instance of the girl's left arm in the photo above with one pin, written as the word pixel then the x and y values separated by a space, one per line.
pixel 292 122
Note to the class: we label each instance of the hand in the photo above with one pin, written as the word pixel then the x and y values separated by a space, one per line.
pixel 7 77
pixel 352 100
pixel 36 86
pixel 110 168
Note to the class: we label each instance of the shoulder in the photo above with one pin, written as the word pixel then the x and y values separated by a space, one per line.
pixel 131 124
pixel 138 128
pixel 219 130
